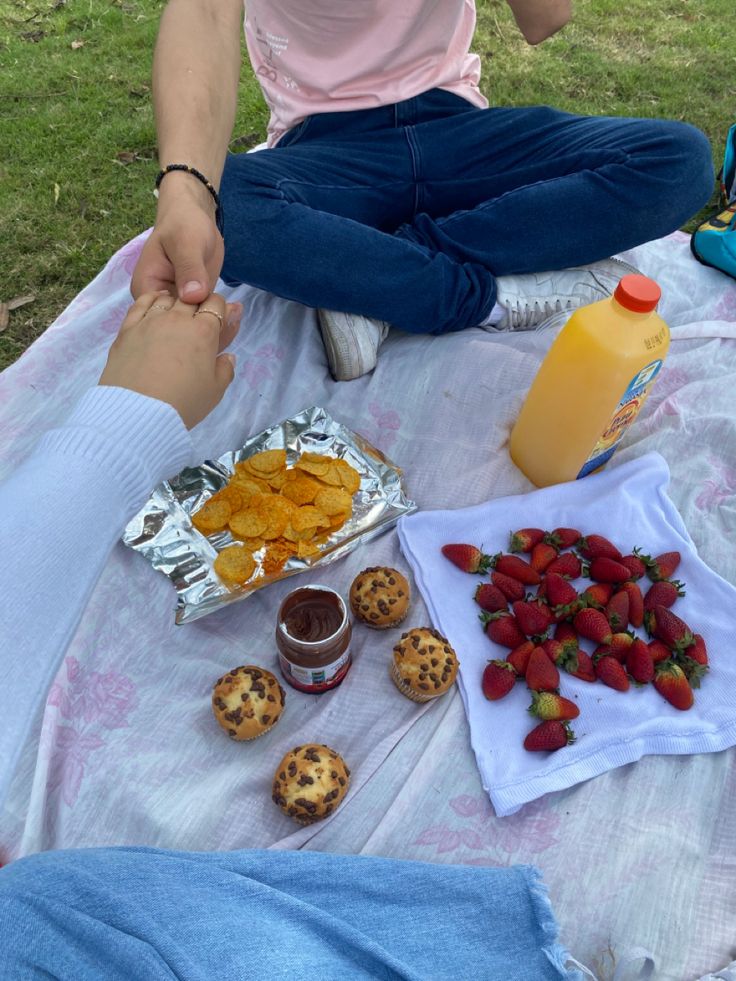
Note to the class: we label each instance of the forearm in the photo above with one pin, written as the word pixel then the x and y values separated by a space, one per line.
pixel 540 19
pixel 62 512
pixel 196 68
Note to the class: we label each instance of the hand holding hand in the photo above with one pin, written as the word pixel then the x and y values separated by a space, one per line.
pixel 184 252
pixel 170 351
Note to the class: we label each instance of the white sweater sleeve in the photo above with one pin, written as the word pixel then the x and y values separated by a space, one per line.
pixel 61 513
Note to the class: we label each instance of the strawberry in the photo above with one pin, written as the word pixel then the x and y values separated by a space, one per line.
pixel 611 673
pixel 635 566
pixel 567 564
pixel 639 662
pixel 672 685
pixel 617 610
pixel 533 618
pixel 563 537
pixel 661 566
pixel 636 603
pixel 512 589
pixel 499 678
pixel 549 705
pixel 559 654
pixel 593 625
pixel 598 547
pixel 597 595
pixel 561 596
pixel 694 660
pixel 542 556
pixel 519 657
pixel 503 628
pixel 549 736
pixel 667 626
pixel 525 539
pixel 658 651
pixel 468 558
pixel 585 669
pixel 603 569
pixel 568 636
pixel 661 593
pixel 541 673
pixel 512 565
pixel 490 598
pixel 620 643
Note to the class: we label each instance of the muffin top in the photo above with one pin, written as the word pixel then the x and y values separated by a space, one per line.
pixel 247 702
pixel 425 661
pixel 379 596
pixel 310 782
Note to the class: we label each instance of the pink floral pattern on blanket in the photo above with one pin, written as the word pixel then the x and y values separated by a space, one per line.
pixel 383 427
pixel 89 701
pixel 534 829
pixel 262 365
pixel 719 488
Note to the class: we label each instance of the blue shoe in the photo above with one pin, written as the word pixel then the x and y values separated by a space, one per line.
pixel 714 242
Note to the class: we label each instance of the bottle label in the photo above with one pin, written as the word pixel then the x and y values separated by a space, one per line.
pixel 626 411
pixel 315 680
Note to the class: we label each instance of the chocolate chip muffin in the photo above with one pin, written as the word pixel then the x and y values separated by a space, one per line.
pixel 424 665
pixel 379 597
pixel 310 783
pixel 247 702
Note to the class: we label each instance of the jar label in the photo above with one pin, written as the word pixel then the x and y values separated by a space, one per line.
pixel 626 411
pixel 315 679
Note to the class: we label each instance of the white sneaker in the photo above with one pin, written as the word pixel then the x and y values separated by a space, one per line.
pixel 351 342
pixel 533 298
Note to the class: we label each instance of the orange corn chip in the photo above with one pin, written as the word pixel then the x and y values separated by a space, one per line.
pixel 267 462
pixel 250 523
pixel 212 516
pixel 306 549
pixel 308 517
pixel 235 565
pixel 314 463
pixel 333 500
pixel 300 488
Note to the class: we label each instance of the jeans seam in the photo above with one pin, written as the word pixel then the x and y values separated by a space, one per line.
pixel 332 187
pixel 415 163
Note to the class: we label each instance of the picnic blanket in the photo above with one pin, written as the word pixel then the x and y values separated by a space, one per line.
pixel 127 752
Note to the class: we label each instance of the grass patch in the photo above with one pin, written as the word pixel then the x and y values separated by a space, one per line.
pixel 76 121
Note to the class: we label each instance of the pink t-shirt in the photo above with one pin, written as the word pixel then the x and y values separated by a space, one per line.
pixel 315 56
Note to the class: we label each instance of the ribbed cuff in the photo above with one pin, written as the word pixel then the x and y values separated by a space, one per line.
pixel 139 440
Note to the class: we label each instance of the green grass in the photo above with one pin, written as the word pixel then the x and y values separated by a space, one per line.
pixel 68 199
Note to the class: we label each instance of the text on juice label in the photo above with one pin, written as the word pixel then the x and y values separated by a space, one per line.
pixel 626 411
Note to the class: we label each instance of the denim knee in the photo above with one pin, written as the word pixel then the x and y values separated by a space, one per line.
pixel 692 163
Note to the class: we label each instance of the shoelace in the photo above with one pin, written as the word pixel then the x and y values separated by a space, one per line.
pixel 527 314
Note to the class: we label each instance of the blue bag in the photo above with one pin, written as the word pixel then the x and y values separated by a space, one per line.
pixel 714 241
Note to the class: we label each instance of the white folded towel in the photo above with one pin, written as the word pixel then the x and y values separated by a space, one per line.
pixel 629 505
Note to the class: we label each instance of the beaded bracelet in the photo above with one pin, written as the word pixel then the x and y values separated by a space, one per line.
pixel 200 177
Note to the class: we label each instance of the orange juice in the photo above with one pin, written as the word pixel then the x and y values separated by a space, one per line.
pixel 592 385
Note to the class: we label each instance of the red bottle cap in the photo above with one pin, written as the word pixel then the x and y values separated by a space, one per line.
pixel 638 293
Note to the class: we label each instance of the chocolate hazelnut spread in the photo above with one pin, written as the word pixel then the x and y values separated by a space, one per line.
pixel 313 638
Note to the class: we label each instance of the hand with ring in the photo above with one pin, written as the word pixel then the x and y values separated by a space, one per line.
pixel 170 351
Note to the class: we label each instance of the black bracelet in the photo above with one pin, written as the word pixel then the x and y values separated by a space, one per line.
pixel 200 177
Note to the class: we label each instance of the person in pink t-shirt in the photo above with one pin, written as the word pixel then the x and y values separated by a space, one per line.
pixel 391 194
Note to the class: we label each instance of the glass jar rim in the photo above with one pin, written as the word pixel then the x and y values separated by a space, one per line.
pixel 317 588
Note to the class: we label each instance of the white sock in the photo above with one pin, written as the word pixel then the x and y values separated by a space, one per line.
pixel 494 316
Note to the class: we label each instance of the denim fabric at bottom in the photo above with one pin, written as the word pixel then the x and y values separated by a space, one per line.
pixel 409 212
pixel 136 914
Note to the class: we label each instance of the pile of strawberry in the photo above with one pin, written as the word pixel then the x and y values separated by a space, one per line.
pixel 543 630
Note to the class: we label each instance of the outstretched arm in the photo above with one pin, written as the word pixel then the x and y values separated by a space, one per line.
pixel 196 67
pixel 540 19
pixel 64 509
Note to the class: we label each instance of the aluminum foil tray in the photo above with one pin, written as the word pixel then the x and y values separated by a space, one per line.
pixel 162 531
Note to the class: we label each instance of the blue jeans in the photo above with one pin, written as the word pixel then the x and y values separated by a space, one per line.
pixel 140 914
pixel 408 212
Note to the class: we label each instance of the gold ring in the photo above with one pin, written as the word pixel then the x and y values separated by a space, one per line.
pixel 158 306
pixel 213 312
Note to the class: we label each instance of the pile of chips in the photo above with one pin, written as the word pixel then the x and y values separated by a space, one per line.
pixel 288 510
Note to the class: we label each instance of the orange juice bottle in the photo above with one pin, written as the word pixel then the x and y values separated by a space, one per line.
pixel 591 385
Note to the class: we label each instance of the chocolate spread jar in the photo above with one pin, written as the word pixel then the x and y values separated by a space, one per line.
pixel 313 637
